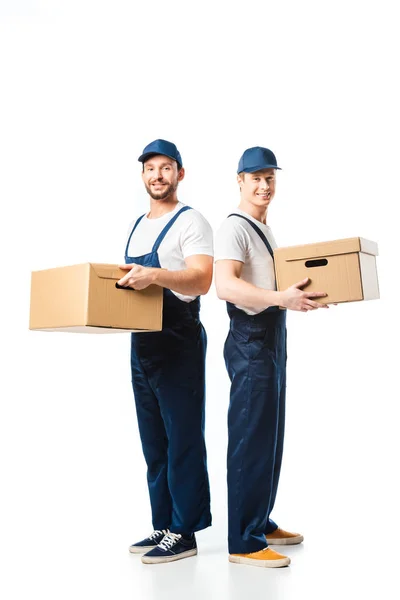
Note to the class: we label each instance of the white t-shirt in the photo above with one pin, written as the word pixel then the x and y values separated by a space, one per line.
pixel 237 240
pixel 191 234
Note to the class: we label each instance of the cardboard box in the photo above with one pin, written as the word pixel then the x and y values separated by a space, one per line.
pixel 344 269
pixel 83 298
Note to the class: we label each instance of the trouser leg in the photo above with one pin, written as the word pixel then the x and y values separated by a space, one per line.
pixel 253 426
pixel 154 444
pixel 181 393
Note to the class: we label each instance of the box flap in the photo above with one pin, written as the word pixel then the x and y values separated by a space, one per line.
pixel 105 271
pixel 322 249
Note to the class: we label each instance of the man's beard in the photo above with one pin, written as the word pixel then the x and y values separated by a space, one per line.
pixel 162 195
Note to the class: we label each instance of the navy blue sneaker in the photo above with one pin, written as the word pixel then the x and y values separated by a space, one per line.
pixel 172 547
pixel 148 543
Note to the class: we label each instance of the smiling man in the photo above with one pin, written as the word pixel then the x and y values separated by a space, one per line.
pixel 255 357
pixel 171 246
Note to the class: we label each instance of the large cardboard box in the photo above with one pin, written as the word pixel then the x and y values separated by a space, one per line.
pixel 344 269
pixel 83 298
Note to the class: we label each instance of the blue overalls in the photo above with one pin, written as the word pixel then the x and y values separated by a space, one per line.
pixel 168 379
pixel 255 357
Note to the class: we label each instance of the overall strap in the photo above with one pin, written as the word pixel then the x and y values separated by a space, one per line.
pixel 168 227
pixel 134 227
pixel 257 230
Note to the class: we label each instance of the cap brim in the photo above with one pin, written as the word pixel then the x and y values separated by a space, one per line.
pixel 259 168
pixel 147 155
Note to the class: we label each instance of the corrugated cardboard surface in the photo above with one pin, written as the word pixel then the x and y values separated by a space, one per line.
pixel 112 307
pixel 59 297
pixel 84 298
pixel 324 249
pixel 346 271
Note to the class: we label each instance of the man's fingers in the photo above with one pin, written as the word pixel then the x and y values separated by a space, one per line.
pixel 124 280
pixel 301 283
pixel 315 305
pixel 315 294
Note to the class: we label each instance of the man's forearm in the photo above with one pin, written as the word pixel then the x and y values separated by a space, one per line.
pixel 246 294
pixel 189 282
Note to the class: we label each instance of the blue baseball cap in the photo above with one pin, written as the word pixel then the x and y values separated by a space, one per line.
pixel 161 147
pixel 256 159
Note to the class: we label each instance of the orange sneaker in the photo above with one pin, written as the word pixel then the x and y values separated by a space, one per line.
pixel 263 558
pixel 280 537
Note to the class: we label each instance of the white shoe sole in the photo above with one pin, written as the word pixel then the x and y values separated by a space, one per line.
pixel 140 549
pixel 163 559
pixel 242 560
pixel 285 541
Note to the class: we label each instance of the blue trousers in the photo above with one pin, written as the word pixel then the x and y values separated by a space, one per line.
pixel 255 356
pixel 168 378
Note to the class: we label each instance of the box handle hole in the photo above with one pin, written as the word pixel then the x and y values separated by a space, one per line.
pixel 122 287
pixel 318 262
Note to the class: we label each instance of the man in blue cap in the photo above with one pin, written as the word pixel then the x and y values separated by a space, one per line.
pixel 255 357
pixel 171 246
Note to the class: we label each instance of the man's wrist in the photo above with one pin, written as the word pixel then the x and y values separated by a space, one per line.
pixel 279 299
pixel 272 298
pixel 157 274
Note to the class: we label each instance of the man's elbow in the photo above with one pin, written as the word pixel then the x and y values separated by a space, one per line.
pixel 203 283
pixel 222 292
pixel 205 286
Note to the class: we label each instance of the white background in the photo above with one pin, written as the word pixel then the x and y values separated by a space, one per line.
pixel 85 86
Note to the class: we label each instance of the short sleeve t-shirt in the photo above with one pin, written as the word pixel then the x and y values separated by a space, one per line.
pixel 191 234
pixel 237 240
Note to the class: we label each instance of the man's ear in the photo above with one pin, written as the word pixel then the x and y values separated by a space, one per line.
pixel 181 174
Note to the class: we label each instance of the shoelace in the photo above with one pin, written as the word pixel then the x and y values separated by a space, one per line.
pixel 169 540
pixel 157 533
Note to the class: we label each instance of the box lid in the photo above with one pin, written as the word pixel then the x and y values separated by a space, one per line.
pixel 322 249
pixel 107 271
